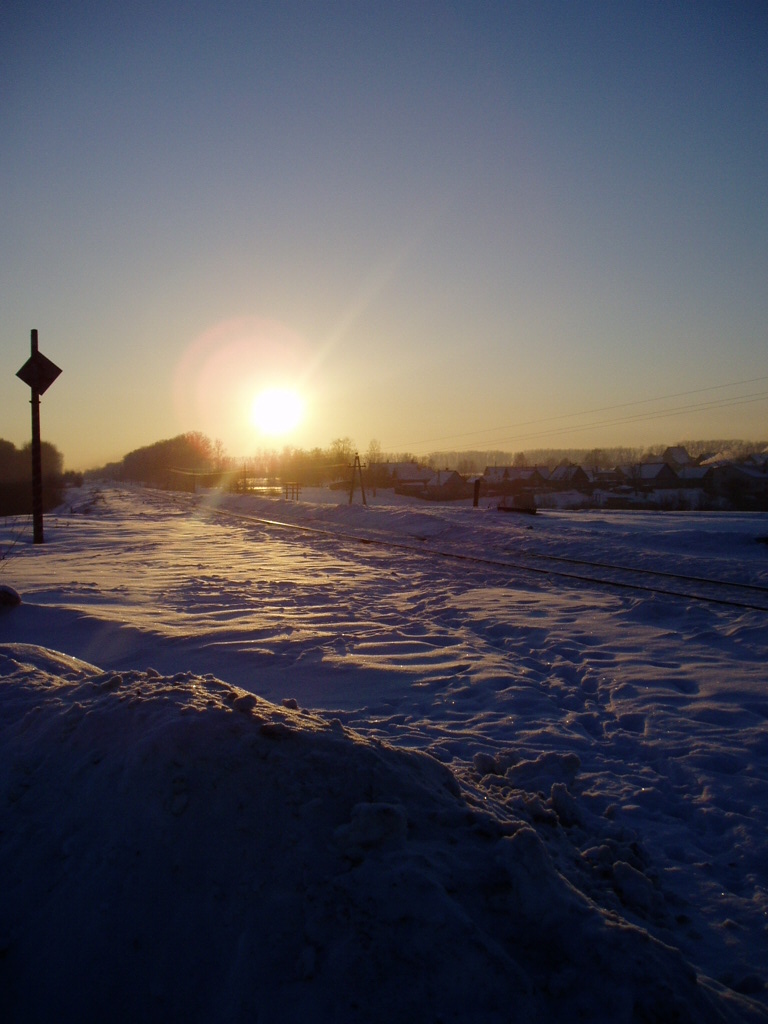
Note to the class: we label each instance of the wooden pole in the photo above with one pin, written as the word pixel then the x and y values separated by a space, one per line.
pixel 37 460
pixel 360 469
pixel 38 373
pixel 356 466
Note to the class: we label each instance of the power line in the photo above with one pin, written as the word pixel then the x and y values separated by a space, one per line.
pixel 637 417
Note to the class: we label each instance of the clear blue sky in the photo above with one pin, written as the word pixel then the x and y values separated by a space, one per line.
pixel 451 225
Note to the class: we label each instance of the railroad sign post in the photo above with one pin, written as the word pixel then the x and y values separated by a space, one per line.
pixel 38 373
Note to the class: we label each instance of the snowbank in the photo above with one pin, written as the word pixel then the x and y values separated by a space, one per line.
pixel 178 848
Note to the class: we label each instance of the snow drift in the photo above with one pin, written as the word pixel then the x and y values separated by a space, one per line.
pixel 174 847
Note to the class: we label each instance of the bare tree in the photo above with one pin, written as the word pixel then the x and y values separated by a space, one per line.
pixel 374 453
pixel 342 450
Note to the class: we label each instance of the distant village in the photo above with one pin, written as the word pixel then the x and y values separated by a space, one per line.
pixel 676 480
pixel 734 477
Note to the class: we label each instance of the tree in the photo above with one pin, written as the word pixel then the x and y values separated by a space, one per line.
pixel 51 459
pixel 374 452
pixel 219 455
pixel 10 464
pixel 342 450
pixel 16 477
pixel 192 452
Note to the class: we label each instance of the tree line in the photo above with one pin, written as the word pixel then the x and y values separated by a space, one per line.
pixel 176 461
pixel 467 462
pixel 171 462
pixel 16 477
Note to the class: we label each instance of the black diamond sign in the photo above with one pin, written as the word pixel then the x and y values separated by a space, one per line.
pixel 39 372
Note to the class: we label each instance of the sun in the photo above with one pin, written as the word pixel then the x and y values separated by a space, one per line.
pixel 277 411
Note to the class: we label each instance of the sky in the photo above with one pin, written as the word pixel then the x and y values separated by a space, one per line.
pixel 444 225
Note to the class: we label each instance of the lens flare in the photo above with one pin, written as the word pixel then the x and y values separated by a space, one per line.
pixel 220 371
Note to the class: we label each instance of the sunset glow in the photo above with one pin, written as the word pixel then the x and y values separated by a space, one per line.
pixel 499 242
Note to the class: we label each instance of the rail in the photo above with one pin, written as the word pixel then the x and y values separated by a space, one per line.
pixel 710 588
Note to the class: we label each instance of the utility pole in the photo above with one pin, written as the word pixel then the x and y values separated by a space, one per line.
pixel 38 373
pixel 357 467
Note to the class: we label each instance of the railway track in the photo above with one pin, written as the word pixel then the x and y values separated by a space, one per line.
pixel 744 596
pixel 657 581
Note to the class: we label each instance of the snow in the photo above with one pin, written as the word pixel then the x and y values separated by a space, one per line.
pixel 308 760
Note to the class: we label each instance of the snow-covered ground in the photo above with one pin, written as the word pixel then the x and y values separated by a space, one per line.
pixel 382 767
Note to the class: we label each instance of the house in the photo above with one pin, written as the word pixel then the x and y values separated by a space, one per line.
pixel 649 476
pixel 606 479
pixel 494 475
pixel 677 456
pixel 448 485
pixel 758 460
pixel 568 477
pixel 743 485
pixel 511 479
pixel 696 476
pixel 393 474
